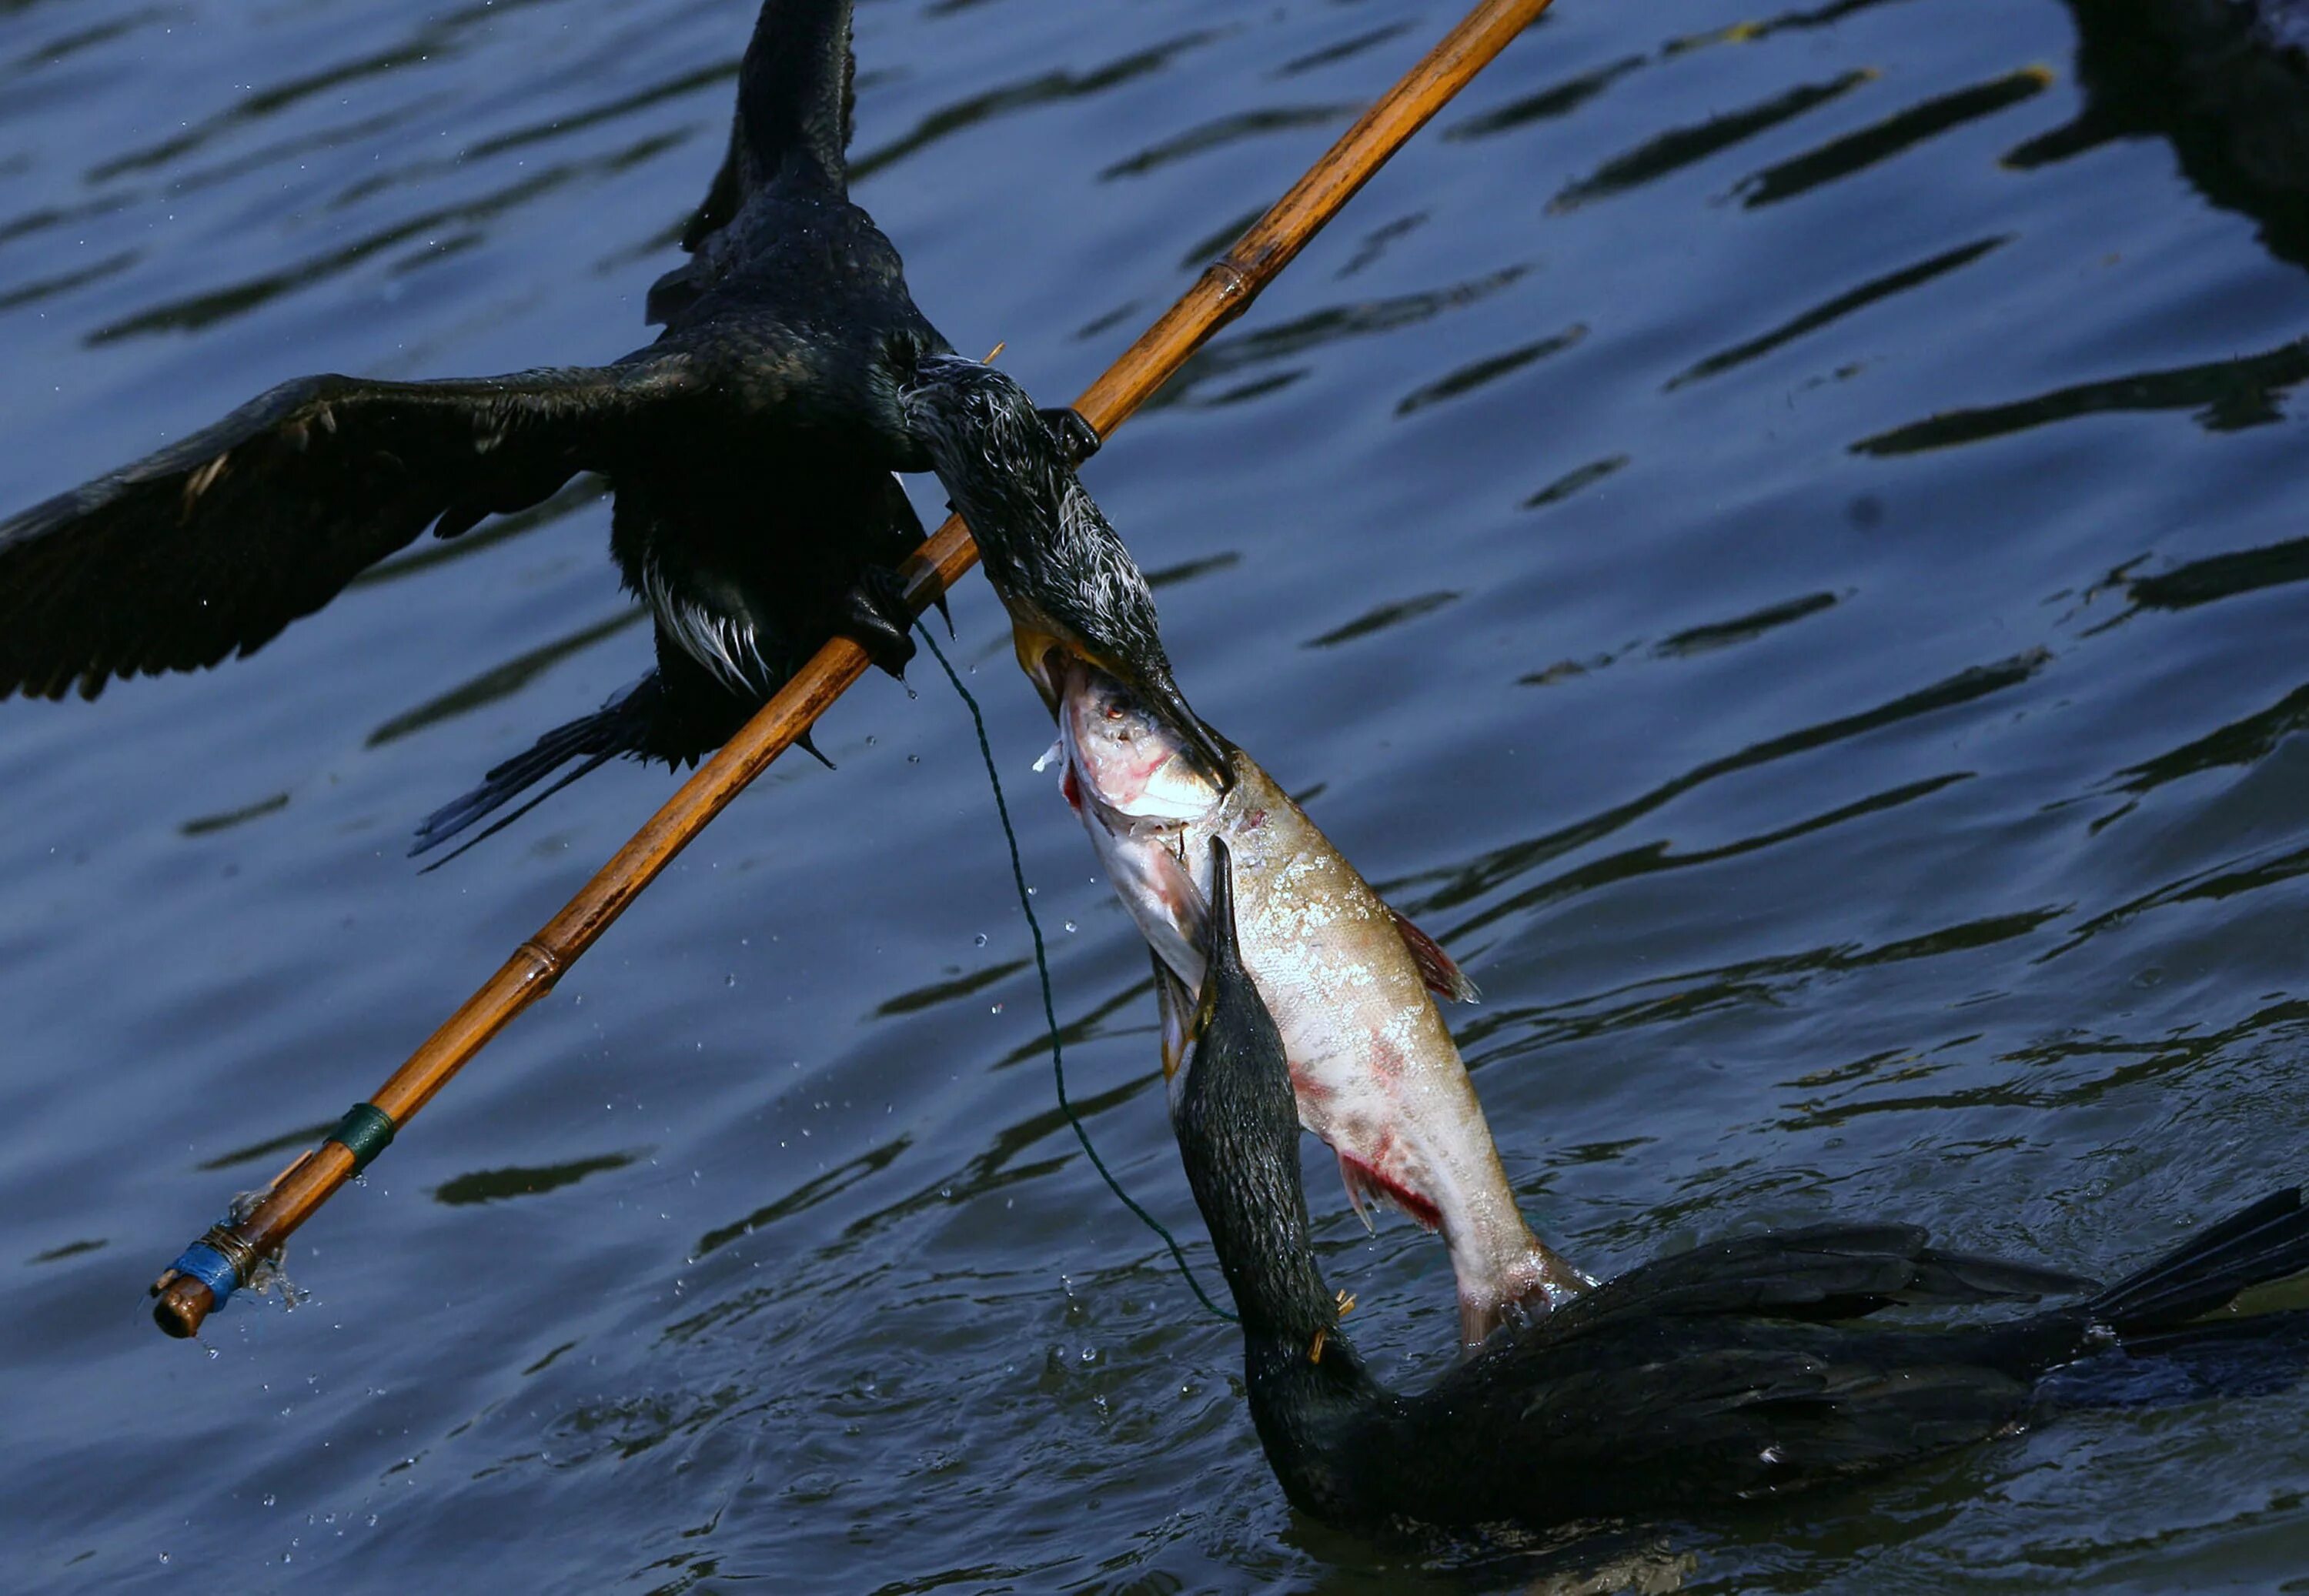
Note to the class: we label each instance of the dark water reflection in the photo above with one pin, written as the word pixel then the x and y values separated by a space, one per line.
pixel 1775 533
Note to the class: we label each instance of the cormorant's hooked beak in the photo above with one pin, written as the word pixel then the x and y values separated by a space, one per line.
pixel 1162 697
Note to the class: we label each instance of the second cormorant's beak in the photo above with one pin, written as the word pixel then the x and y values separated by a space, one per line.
pixel 1187 1021
pixel 1187 1016
pixel 1222 956
pixel 1231 1027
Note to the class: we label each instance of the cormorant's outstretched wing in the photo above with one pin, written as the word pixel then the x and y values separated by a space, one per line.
pixel 216 542
pixel 796 104
pixel 722 201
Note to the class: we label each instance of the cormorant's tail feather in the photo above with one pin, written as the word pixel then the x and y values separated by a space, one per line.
pixel 618 727
pixel 591 764
pixel 2265 1242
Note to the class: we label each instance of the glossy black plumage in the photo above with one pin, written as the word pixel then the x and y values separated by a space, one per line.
pixel 1057 563
pixel 1722 1375
pixel 750 448
pixel 2226 81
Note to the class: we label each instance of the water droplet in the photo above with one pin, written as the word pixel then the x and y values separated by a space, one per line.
pixel 270 1498
pixel 995 1010
pixel 978 940
pixel 730 979
pixel 913 759
pixel 1071 926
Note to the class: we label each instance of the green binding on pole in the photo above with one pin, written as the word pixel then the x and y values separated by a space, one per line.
pixel 365 1131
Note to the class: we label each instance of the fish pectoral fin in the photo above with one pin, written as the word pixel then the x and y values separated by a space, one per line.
pixel 1359 1186
pixel 1362 1181
pixel 1178 1007
pixel 1442 976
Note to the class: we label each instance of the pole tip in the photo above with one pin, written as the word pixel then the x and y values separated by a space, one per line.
pixel 179 1304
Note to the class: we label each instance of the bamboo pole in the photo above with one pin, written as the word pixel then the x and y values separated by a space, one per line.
pixel 186 1292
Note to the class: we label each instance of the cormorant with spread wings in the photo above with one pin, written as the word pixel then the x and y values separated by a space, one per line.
pixel 749 448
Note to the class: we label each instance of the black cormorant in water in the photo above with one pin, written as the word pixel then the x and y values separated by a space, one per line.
pixel 1056 562
pixel 749 447
pixel 1719 1376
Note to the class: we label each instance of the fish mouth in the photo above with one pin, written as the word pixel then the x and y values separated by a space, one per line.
pixel 1123 755
pixel 1052 663
pixel 1166 700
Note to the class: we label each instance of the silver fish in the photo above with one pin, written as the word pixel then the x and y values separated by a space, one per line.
pixel 1374 1068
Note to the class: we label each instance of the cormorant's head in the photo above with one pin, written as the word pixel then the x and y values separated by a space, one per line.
pixel 1069 585
pixel 1005 470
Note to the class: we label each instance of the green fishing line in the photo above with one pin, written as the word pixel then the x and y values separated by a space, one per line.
pixel 1049 1006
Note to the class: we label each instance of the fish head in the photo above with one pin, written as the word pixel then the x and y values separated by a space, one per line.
pixel 1122 754
pixel 1148 806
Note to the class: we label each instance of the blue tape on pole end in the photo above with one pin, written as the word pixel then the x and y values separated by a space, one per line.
pixel 212 1268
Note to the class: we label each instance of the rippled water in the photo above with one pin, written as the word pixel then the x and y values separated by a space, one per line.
pixel 1776 535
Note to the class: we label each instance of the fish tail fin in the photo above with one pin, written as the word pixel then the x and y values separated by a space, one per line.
pixel 1538 1284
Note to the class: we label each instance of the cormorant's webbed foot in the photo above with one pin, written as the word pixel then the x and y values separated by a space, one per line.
pixel 1076 436
pixel 875 616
